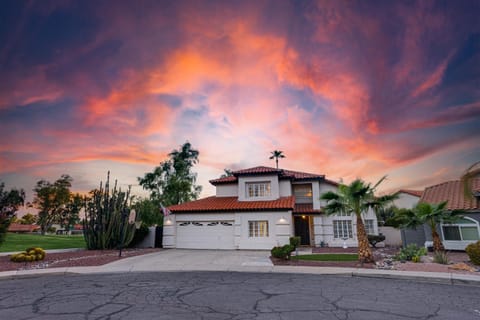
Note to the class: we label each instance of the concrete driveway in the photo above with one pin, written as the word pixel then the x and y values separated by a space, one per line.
pixel 194 260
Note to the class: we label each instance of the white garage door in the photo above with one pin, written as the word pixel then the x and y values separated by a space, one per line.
pixel 205 235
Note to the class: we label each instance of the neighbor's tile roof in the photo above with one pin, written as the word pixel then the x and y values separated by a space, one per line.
pixel 416 193
pixel 215 204
pixel 305 208
pixel 453 192
pixel 17 227
pixel 282 173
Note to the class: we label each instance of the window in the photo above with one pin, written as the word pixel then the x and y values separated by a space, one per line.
pixel 303 193
pixel 257 229
pixel 463 230
pixel 369 226
pixel 342 229
pixel 258 189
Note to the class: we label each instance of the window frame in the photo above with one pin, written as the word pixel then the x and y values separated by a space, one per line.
pixel 343 223
pixel 471 223
pixel 258 229
pixel 371 228
pixel 258 189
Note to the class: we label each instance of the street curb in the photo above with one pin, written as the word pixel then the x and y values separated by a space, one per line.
pixel 446 278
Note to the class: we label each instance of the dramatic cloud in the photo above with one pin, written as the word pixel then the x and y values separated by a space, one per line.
pixel 348 89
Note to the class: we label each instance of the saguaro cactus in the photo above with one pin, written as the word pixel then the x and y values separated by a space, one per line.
pixel 103 218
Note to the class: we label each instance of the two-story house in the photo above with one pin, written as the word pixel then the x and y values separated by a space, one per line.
pixel 259 208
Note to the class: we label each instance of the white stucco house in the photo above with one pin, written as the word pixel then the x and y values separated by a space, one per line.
pixel 259 208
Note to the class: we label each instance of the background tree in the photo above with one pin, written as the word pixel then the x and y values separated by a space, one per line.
pixel 277 154
pixel 10 201
pixel 432 215
pixel 148 212
pixel 51 200
pixel 71 215
pixel 173 181
pixel 467 178
pixel 357 198
pixel 226 173
pixel 28 219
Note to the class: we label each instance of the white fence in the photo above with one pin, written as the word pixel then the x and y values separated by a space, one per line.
pixel 393 237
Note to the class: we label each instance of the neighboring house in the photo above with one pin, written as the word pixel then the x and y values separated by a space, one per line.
pixel 407 198
pixel 259 208
pixel 23 228
pixel 465 231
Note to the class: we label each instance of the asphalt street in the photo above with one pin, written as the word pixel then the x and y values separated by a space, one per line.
pixel 232 295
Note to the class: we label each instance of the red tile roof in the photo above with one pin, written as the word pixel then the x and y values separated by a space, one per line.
pixel 17 227
pixel 282 173
pixel 453 192
pixel 305 208
pixel 416 193
pixel 215 204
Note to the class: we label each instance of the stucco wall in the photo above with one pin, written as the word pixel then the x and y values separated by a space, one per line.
pixel 227 190
pixel 406 201
pixel 393 237
pixel 285 188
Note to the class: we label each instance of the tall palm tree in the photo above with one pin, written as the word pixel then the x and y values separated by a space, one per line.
pixel 277 154
pixel 432 215
pixel 357 198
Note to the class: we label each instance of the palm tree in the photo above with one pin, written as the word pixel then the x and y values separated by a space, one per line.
pixel 432 215
pixel 277 154
pixel 357 198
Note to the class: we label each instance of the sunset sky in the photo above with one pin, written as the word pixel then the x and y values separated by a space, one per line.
pixel 344 88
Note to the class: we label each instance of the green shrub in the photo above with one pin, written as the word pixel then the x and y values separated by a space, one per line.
pixel 51 229
pixel 373 239
pixel 295 241
pixel 440 257
pixel 282 252
pixel 473 251
pixel 407 253
pixel 29 255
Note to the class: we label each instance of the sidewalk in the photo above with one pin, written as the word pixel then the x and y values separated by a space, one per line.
pixel 237 261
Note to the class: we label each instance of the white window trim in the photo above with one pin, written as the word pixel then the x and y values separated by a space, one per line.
pixel 369 229
pixel 267 189
pixel 342 222
pixel 473 223
pixel 257 229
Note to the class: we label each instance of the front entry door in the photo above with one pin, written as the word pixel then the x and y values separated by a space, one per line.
pixel 302 229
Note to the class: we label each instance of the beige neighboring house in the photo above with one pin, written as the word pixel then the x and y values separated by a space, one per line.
pixel 259 208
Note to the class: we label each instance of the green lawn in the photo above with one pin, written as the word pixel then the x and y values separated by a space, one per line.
pixel 327 257
pixel 19 242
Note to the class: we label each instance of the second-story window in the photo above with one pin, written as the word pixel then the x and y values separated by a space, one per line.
pixel 303 193
pixel 258 189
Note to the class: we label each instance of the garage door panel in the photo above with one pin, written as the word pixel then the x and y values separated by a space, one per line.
pixel 205 235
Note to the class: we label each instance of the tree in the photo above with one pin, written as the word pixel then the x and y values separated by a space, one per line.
pixel 51 200
pixel 10 201
pixel 70 216
pixel 277 154
pixel 432 215
pixel 226 173
pixel 356 198
pixel 148 212
pixel 467 179
pixel 173 181
pixel 28 219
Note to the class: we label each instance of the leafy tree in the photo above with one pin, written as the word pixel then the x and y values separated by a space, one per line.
pixel 148 211
pixel 173 181
pixel 28 219
pixel 51 200
pixel 432 215
pixel 277 154
pixel 356 198
pixel 226 173
pixel 10 201
pixel 70 216
pixel 467 178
